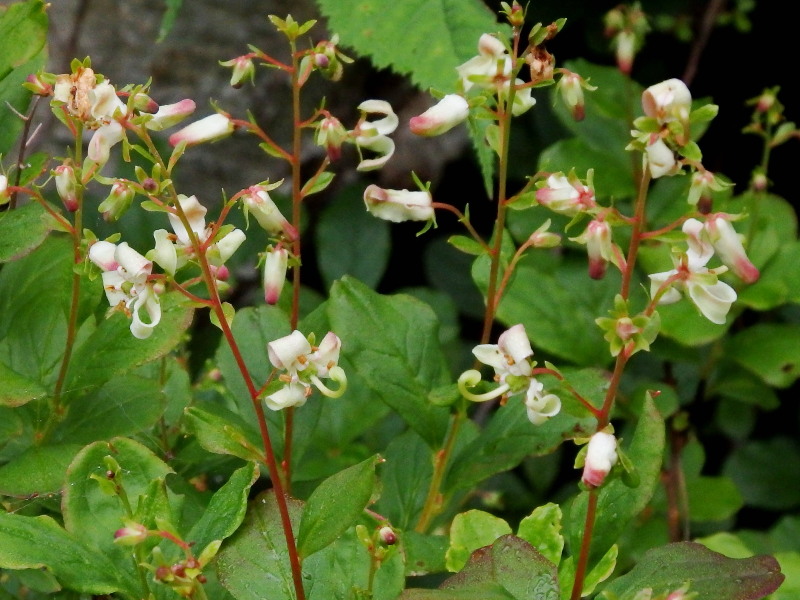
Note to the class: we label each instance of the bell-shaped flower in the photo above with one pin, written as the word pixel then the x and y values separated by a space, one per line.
pixel 373 135
pixel 209 129
pixel 118 200
pixel 539 405
pixel 170 114
pixel 242 70
pixel 331 134
pixel 276 262
pixel 601 456
pixel 566 195
pixel 712 297
pixel 258 203
pixel 523 98
pixel 728 246
pixel 668 101
pixel 103 140
pixel 125 274
pixel 599 247
pixel 571 88
pixel 399 205
pixel 304 365
pixel 660 158
pixel 490 65
pixel 443 116
pixel 67 186
pixel 195 214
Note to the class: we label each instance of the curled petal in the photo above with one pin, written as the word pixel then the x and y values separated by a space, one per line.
pixel 660 159
pixel 135 265
pixel 292 394
pixel 149 302
pixel 326 356
pixel 714 301
pixel 383 126
pixel 165 254
pixel 381 145
pixel 196 215
pixel 336 374
pixel 470 379
pixel 103 139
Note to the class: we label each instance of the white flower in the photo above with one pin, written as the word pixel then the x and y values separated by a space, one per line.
pixel 304 365
pixel 276 262
pixel 510 355
pixel 540 406
pixel 492 62
pixel 398 205
pixel 660 158
pixel 566 195
pixel 601 456
pixel 258 203
pixel 208 129
pixel 373 135
pixel 729 247
pixel 667 101
pixel 446 114
pixel 125 274
pixel 712 297
pixel 170 114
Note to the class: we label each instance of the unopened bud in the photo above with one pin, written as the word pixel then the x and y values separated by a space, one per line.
pixel 387 535
pixel 243 70
pixel 144 103
pixel 331 134
pixel 446 114
pixel 150 185
pixel 275 264
pixel 35 84
pixel 130 535
pixel 572 94
pixel 209 129
pixel 118 201
pixel 66 186
pixel 601 456
pixel 544 239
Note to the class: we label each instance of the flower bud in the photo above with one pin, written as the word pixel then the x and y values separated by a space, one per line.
pixel 144 103
pixel 36 85
pixel 170 114
pixel 4 194
pixel 571 89
pixel 130 535
pixel 387 535
pixel 625 46
pixel 66 186
pixel 208 129
pixel 601 456
pixel 243 70
pixel 598 247
pixel 728 246
pixel 446 114
pixel 398 205
pixel 258 203
pixel 275 265
pixel 660 158
pixel 331 134
pixel 118 200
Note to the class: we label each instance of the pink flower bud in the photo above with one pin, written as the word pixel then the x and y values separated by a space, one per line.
pixel 398 205
pixel 130 535
pixel 171 114
pixel 449 112
pixel 258 203
pixel 729 247
pixel 118 201
pixel 275 264
pixel 625 43
pixel 571 89
pixel 601 456
pixel 598 247
pixel 144 103
pixel 387 535
pixel 66 186
pixel 209 129
pixel 37 85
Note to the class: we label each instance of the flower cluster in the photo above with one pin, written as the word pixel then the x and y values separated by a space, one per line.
pixel 304 364
pixel 691 276
pixel 125 280
pixel 510 358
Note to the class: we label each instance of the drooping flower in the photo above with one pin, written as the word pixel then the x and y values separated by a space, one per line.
pixel 276 262
pixel 304 366
pixel 170 114
pixel 443 116
pixel 668 101
pixel 599 247
pixel 728 246
pixel 258 203
pixel 566 195
pixel 209 129
pixel 539 405
pixel 66 186
pixel 398 205
pixel 331 134
pixel 374 135
pixel 601 456
pixel 712 297
pixel 660 158
pixel 125 281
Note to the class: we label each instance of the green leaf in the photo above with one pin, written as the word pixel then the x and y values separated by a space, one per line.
pixel 392 343
pixel 768 350
pixel 779 282
pixel 469 531
pixel 767 487
pixel 223 432
pixel 112 349
pixel 712 498
pixel 168 20
pixel 22 230
pixel 445 34
pixel 125 405
pixel 36 542
pixel 335 506
pixel 342 570
pixel 405 478
pixel 320 183
pixel 509 569
pixel 542 530
pixel 254 563
pixel 226 510
pixel 557 303
pixel 466 244
pixel 38 470
pixel 617 504
pixel 424 553
pixel 350 241
pixel 95 516
pixel 16 389
pixel 712 576
pixel 23 35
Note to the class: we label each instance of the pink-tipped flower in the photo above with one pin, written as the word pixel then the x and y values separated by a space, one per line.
pixel 107 136
pixel 275 264
pixel 571 87
pixel 729 247
pixel 566 195
pixel 208 129
pixel 170 114
pixel 4 195
pixel 118 200
pixel 446 114
pixel 387 535
pixel 398 205
pixel 598 246
pixel 625 50
pixel 331 134
pixel 601 456
pixel 36 85
pixel 66 186
pixel 130 535
pixel 258 203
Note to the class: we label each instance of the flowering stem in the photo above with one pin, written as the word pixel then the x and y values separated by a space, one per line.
pixel 636 234
pixel 586 542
